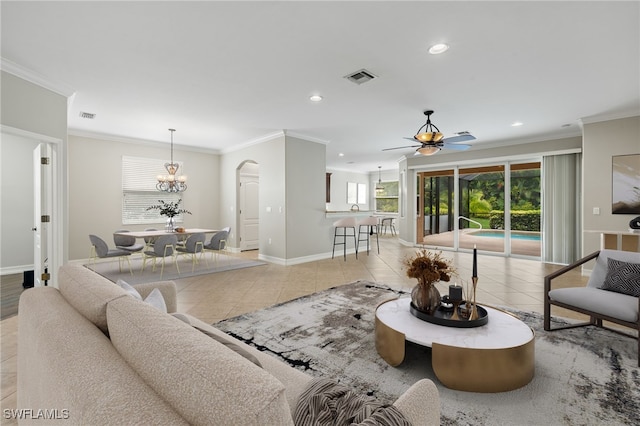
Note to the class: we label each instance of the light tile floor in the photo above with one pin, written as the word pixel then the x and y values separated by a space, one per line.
pixel 502 281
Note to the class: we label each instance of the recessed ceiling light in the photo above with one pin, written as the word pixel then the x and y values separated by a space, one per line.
pixel 436 49
pixel 341 154
pixel 516 124
pixel 315 98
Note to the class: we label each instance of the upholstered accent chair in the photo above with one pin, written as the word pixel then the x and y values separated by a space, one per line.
pixel 99 248
pixel 611 294
pixel 193 245
pixel 164 246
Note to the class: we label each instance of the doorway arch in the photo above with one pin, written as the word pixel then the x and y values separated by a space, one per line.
pixel 247 205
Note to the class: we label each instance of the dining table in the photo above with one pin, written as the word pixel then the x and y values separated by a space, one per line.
pixel 158 233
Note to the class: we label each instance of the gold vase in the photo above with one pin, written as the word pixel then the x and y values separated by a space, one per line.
pixel 426 298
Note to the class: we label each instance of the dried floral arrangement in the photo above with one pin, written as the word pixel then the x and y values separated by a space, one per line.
pixel 429 267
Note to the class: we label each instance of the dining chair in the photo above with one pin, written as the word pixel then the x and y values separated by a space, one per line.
pixel 193 245
pixel 100 249
pixel 148 241
pixel 163 247
pixel 218 243
pixel 126 242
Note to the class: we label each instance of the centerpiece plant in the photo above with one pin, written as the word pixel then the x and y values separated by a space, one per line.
pixel 428 268
pixel 170 210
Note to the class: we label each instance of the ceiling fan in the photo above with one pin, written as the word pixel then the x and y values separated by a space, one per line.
pixel 431 140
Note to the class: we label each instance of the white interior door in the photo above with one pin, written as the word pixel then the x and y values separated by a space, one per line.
pixel 42 193
pixel 249 213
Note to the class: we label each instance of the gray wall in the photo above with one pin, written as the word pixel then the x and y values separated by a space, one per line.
pixel 602 141
pixel 30 108
pixel 95 187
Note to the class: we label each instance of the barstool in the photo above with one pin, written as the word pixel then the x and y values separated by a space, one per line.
pixel 370 225
pixel 388 221
pixel 344 224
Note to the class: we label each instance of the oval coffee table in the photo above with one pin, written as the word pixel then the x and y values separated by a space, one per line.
pixel 495 357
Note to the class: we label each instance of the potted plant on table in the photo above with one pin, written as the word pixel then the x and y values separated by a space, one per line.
pixel 428 268
pixel 170 210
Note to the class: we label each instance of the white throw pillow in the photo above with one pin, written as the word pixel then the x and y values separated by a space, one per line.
pixel 154 298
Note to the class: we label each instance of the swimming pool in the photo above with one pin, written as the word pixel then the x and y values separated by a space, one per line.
pixel 515 235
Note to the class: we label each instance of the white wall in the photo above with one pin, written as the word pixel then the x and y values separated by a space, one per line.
pixel 602 141
pixel 95 187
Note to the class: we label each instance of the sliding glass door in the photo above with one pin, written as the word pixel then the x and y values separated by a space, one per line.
pixel 495 208
pixel 436 209
pixel 481 219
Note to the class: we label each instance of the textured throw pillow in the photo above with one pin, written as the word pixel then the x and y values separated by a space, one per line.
pixel 217 338
pixel 622 277
pixel 154 298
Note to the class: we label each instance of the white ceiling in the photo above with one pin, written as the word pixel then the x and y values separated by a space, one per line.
pixel 225 74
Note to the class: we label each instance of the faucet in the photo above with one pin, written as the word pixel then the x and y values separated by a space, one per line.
pixel 355 208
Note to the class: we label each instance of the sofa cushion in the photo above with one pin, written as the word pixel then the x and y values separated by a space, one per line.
pixel 206 382
pixel 615 305
pixel 88 292
pixel 66 362
pixel 236 348
pixel 623 277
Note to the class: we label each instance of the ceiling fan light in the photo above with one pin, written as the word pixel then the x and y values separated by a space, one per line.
pixel 437 137
pixel 424 136
pixel 428 150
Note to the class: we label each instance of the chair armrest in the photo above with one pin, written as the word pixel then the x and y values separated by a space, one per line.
pixel 420 404
pixel 556 274
pixel 168 290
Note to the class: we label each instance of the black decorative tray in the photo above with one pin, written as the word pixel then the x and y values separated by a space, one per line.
pixel 443 317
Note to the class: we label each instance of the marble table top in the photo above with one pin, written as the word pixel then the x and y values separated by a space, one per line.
pixel 502 330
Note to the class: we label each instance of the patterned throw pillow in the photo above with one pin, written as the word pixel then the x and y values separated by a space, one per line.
pixel 622 277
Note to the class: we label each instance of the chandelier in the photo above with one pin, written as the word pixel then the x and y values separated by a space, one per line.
pixel 171 182
pixel 379 187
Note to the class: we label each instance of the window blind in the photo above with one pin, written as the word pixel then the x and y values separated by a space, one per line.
pixel 139 178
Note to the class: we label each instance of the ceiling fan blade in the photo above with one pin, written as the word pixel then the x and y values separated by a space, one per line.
pixel 460 138
pixel 402 147
pixel 456 147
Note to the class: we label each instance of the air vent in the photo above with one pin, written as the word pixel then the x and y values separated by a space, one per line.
pixel 88 115
pixel 361 76
pixel 465 133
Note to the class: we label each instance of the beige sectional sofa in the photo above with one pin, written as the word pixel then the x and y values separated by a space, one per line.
pixel 90 354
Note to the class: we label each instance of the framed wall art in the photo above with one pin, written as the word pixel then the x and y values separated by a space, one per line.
pixel 625 194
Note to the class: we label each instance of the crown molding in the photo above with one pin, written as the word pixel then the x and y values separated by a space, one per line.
pixel 38 79
pixel 134 141
pixel 610 116
pixel 252 142
pixel 305 137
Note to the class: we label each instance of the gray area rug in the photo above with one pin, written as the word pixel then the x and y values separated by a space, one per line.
pixel 584 376
pixel 110 270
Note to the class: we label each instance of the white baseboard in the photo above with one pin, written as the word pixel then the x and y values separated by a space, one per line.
pixel 303 259
pixel 9 270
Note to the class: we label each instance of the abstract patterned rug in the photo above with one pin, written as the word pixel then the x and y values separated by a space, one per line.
pixel 583 376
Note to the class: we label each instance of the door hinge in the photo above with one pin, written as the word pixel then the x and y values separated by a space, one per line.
pixel 45 218
pixel 44 161
pixel 45 276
